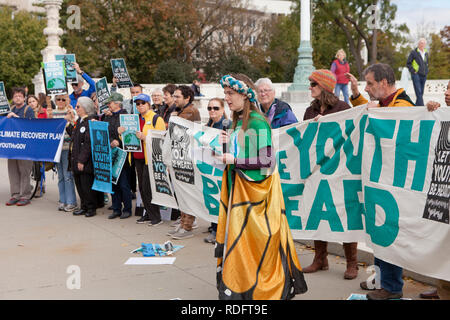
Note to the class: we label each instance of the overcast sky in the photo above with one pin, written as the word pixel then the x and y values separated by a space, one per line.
pixel 434 13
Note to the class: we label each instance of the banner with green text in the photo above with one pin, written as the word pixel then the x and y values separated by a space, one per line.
pixel 380 176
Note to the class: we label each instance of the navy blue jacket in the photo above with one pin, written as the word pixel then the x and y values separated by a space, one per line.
pixel 283 114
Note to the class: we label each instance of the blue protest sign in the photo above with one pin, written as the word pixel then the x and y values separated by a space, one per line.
pixel 101 156
pixel 35 139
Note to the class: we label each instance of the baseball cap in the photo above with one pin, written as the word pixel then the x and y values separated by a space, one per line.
pixel 143 97
pixel 115 96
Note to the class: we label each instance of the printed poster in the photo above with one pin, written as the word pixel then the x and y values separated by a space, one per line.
pixel 119 70
pixel 101 156
pixel 54 77
pixel 4 103
pixel 130 142
pixel 69 59
pixel 118 158
pixel 162 191
pixel 101 88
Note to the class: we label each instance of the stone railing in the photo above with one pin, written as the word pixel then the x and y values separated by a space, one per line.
pixel 212 90
pixel 434 90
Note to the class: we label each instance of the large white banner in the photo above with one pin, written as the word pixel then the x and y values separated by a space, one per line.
pixel 406 180
pixel 381 176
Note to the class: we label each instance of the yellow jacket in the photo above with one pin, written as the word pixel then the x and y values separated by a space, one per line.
pixel 159 125
pixel 401 99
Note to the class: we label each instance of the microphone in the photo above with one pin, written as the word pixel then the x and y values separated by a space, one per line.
pixel 226 124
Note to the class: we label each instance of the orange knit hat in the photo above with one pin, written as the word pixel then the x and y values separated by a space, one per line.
pixel 324 78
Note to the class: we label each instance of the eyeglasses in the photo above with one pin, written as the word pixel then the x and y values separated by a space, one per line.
pixel 74 84
pixel 312 84
pixel 60 99
pixel 264 91
pixel 214 108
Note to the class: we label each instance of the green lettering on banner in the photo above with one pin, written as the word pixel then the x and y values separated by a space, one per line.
pixel 292 190
pixel 329 130
pixel 354 162
pixel 197 137
pixel 412 151
pixel 281 166
pixel 210 188
pixel 380 129
pixel 385 234
pixel 353 207
pixel 324 197
pixel 303 145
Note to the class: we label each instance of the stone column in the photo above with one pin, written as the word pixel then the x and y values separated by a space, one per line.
pixel 299 90
pixel 53 32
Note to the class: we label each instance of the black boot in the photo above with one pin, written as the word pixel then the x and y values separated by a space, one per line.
pixel 90 213
pixel 114 215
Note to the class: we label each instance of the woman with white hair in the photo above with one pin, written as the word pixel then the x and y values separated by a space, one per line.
pixel 81 156
pixel 340 67
pixel 158 100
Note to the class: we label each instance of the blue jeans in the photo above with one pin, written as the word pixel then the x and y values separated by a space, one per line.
pixel 341 87
pixel 66 185
pixel 391 276
pixel 419 87
pixel 122 192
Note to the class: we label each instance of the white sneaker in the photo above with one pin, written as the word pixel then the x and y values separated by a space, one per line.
pixel 211 238
pixel 61 206
pixel 172 232
pixel 182 234
pixel 70 208
pixel 154 224
pixel 176 223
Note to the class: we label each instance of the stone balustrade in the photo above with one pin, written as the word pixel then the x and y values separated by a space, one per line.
pixel 434 90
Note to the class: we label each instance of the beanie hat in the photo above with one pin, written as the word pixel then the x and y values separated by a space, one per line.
pixel 324 78
pixel 88 105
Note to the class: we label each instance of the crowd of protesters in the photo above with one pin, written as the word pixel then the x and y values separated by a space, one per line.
pixel 252 105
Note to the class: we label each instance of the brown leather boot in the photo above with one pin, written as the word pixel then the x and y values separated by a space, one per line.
pixel 351 252
pixel 320 261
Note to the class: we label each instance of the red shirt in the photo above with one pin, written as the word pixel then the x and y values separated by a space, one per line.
pixel 385 102
pixel 140 155
pixel 42 114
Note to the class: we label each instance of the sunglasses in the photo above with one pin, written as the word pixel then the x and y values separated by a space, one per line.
pixel 140 103
pixel 213 108
pixel 312 84
pixel 60 99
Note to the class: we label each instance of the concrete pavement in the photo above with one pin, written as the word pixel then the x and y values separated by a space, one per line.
pixel 41 247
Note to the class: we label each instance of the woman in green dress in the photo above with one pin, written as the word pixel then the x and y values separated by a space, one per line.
pixel 256 257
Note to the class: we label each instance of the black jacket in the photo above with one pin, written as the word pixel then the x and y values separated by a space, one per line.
pixel 114 123
pixel 416 64
pixel 80 151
